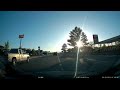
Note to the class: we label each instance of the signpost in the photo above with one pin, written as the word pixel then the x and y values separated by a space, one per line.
pixel 21 36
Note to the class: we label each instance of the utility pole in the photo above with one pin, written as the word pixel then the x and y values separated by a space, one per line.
pixel 20 42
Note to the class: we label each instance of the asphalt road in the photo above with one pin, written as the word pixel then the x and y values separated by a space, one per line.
pixel 57 65
pixel 37 63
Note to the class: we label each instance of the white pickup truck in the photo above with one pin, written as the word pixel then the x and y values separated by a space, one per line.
pixel 16 55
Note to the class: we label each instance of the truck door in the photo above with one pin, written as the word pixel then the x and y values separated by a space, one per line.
pixel 24 55
pixel 20 57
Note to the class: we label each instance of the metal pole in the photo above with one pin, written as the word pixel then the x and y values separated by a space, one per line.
pixel 20 42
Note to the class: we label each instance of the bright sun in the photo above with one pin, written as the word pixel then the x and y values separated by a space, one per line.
pixel 79 44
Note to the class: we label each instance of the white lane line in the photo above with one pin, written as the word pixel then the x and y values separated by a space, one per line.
pixel 60 62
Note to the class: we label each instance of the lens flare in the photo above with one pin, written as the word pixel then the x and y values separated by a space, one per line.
pixel 76 63
pixel 78 45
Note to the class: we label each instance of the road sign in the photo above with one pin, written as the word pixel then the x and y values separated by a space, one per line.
pixel 21 36
pixel 95 39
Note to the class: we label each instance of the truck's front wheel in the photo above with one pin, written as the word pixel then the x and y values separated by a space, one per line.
pixel 28 59
pixel 14 61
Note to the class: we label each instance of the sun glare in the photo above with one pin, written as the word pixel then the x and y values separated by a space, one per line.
pixel 79 44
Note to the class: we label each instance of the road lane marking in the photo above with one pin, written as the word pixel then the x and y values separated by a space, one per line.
pixel 60 64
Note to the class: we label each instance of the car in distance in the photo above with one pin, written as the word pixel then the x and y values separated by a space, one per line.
pixel 17 55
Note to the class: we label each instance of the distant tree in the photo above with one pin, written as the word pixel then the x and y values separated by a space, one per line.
pixel 28 51
pixel 7 45
pixel 64 47
pixel 1 47
pixel 36 52
pixel 24 49
pixel 69 50
pixel 84 38
pixel 74 36
pixel 41 51
pixel 1 50
pixel 75 49
pixel 45 52
pixel 90 44
pixel 33 52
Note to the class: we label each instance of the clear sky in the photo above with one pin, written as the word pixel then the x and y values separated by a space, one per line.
pixel 50 29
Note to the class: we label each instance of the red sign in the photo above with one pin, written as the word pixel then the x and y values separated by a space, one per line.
pixel 95 39
pixel 21 36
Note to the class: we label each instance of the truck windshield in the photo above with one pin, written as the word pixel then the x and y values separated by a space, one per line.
pixel 14 51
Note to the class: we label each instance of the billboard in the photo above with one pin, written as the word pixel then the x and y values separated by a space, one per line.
pixel 95 39
pixel 21 36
